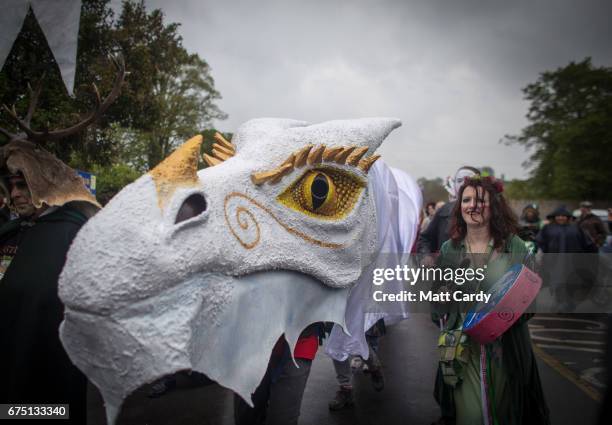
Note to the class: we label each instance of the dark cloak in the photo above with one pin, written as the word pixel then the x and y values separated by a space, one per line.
pixel 437 231
pixel 34 368
pixel 564 238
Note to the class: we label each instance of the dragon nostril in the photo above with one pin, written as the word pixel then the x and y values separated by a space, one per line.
pixel 193 206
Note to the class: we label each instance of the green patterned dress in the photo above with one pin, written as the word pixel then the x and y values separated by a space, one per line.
pixel 512 383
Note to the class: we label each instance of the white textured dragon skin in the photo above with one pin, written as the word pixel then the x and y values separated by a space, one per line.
pixel 146 297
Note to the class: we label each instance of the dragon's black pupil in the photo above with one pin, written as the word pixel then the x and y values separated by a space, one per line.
pixel 319 190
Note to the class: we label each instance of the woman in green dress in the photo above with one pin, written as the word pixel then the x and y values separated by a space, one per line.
pixel 496 383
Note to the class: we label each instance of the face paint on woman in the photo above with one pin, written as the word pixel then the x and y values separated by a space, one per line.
pixel 475 206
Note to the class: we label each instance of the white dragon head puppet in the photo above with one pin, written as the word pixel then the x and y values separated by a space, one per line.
pixel 206 270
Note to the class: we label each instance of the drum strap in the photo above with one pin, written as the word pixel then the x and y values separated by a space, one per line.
pixel 487 388
pixel 484 399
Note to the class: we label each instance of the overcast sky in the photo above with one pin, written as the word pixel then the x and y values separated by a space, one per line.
pixel 452 71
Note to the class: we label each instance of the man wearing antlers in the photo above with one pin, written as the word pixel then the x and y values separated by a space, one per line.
pixel 52 203
pixel 34 367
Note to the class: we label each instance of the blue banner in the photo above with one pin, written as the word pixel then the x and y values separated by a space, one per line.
pixel 90 181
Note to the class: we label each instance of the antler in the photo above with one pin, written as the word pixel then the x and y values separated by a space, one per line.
pixel 101 107
pixel 34 94
pixel 25 123
pixel 8 134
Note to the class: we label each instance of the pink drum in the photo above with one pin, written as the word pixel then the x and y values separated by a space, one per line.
pixel 510 297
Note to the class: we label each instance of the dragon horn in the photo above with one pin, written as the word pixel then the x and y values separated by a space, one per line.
pixel 179 169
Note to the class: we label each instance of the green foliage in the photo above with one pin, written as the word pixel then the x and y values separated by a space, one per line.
pixel 172 93
pixel 209 139
pixel 111 179
pixel 31 59
pixel 169 94
pixel 520 189
pixel 570 132
pixel 433 190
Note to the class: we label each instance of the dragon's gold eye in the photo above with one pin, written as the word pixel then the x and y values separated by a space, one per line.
pixel 326 192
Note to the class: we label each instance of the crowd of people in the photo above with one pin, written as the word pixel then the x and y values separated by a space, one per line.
pixel 560 232
pixel 594 233
pixel 479 383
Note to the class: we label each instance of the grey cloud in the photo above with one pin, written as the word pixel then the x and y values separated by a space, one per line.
pixel 451 70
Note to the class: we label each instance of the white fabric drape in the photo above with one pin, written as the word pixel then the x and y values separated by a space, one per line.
pixel 398 202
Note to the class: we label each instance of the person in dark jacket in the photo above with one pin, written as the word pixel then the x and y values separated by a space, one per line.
pixel 564 274
pixel 529 226
pixel 34 368
pixel 591 224
pixel 561 236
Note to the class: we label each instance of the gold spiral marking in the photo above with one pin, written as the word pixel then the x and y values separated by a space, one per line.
pixel 240 211
pixel 243 223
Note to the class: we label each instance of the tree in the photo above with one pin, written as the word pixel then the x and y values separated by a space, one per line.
pixel 173 95
pixel 31 59
pixel 570 132
pixel 433 190
pixel 111 179
pixel 168 97
pixel 519 189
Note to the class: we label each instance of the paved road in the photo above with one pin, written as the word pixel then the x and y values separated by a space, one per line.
pixel 570 378
pixel 574 346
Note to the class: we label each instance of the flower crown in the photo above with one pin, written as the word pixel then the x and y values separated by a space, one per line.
pixel 497 184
